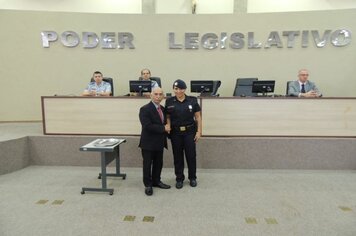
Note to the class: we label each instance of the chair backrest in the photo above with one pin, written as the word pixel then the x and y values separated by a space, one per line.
pixel 110 81
pixel 214 93
pixel 243 87
pixel 288 82
pixel 157 79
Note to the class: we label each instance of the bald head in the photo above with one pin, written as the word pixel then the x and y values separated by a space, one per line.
pixel 157 95
pixel 303 75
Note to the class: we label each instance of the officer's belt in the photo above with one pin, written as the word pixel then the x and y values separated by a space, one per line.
pixel 184 128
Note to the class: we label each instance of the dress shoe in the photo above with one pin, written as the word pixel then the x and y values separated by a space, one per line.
pixel 179 184
pixel 162 185
pixel 148 191
pixel 193 183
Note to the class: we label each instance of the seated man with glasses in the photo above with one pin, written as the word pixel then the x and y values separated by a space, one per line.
pixel 303 87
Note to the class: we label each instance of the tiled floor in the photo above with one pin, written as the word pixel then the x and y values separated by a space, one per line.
pixel 43 200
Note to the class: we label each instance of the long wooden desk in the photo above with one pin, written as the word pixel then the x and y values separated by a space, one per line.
pixel 280 116
pixel 321 117
pixel 92 115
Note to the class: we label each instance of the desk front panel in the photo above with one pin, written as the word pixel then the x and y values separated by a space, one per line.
pixel 92 115
pixel 327 117
pixel 279 117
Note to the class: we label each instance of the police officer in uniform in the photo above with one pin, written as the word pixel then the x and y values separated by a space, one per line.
pixel 183 115
pixel 98 87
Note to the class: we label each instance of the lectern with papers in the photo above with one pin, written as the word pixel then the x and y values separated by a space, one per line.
pixel 110 150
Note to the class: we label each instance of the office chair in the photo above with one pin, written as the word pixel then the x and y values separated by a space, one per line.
pixel 157 79
pixel 243 87
pixel 110 81
pixel 288 82
pixel 214 93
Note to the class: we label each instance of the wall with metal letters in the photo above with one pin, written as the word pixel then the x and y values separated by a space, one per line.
pixel 48 53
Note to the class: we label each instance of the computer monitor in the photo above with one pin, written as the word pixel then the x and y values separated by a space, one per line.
pixel 140 86
pixel 263 86
pixel 201 86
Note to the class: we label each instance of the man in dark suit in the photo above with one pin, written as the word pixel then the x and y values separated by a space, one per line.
pixel 153 141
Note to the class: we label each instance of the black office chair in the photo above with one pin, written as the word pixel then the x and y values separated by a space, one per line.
pixel 288 82
pixel 214 93
pixel 157 79
pixel 243 87
pixel 110 81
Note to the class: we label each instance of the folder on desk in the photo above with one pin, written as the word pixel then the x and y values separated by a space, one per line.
pixel 106 142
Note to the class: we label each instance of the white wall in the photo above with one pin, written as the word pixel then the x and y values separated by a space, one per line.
pixel 203 6
pixel 175 6
pixel 95 6
pixel 216 7
pixel 255 6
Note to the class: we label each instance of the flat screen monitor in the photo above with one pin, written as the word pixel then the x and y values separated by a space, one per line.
pixel 140 86
pixel 263 86
pixel 201 86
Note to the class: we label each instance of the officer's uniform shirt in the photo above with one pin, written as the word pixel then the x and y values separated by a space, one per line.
pixel 182 113
pixel 102 87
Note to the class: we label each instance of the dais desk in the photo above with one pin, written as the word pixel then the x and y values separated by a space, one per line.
pixel 233 116
pixel 279 116
pixel 92 115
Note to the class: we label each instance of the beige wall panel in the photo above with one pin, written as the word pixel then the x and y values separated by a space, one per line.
pixel 279 117
pixel 29 71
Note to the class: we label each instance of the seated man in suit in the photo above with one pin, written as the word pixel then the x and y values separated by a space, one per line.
pixel 153 141
pixel 98 87
pixel 303 87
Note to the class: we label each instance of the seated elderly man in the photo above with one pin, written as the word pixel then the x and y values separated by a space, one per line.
pixel 98 87
pixel 303 87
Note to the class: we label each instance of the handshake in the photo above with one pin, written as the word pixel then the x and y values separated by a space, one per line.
pixel 167 128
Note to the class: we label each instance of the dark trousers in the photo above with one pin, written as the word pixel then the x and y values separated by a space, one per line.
pixel 184 144
pixel 152 167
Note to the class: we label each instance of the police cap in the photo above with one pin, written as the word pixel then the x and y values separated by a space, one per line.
pixel 179 84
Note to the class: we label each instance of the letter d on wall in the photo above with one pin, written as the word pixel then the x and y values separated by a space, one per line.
pixel 48 36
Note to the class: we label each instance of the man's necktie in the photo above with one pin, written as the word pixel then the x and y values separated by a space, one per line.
pixel 303 89
pixel 160 113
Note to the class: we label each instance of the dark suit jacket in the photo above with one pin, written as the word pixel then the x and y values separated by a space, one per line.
pixel 153 135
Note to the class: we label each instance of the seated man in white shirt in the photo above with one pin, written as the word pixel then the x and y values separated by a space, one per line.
pixel 303 87
pixel 146 75
pixel 98 87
